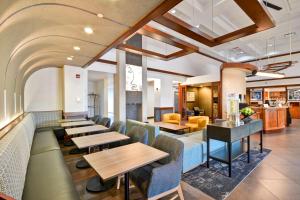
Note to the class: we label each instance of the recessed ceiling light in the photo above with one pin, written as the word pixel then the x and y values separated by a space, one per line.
pixel 197 26
pixel 76 48
pixel 100 15
pixel 88 30
pixel 72 56
pixel 173 11
pixel 69 58
pixel 270 45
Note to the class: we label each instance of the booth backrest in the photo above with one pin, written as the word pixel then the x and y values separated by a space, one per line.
pixel 14 156
pixel 47 118
pixel 153 131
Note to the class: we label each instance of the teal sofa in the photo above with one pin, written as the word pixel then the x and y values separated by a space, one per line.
pixel 195 145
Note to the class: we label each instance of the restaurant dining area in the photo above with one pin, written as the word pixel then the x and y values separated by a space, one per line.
pixel 149 99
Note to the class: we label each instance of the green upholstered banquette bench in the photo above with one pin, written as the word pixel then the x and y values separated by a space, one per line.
pixel 32 166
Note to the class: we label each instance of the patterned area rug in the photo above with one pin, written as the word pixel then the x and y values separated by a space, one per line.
pixel 215 181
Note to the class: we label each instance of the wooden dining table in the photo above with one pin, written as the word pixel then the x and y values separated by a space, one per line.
pixel 121 160
pixel 79 131
pixel 96 140
pixel 77 123
pixel 85 129
pixel 71 120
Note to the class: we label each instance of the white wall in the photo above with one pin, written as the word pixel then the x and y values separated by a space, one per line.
pixel 75 89
pixel 43 90
pixel 166 90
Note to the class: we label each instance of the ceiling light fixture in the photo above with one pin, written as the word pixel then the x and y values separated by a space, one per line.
pixel 76 48
pixel 69 58
pixel 88 30
pixel 197 26
pixel 272 75
pixel 173 11
pixel 100 15
pixel 270 45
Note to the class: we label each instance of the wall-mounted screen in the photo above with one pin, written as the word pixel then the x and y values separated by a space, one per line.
pixel 294 94
pixel 256 95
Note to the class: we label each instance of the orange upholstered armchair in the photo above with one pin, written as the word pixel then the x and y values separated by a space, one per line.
pixel 172 118
pixel 197 122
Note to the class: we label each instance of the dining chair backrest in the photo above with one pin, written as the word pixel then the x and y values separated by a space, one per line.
pixel 118 126
pixel 104 121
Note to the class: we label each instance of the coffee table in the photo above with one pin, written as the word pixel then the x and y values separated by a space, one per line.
pixel 230 133
pixel 171 127
pixel 121 160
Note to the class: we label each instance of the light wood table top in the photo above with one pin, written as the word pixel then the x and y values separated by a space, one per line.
pixel 117 161
pixel 98 139
pixel 71 120
pixel 169 126
pixel 79 123
pixel 85 129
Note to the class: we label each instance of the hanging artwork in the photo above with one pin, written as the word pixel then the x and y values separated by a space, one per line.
pixel 133 78
pixel 190 96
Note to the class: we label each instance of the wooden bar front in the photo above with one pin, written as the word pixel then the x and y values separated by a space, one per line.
pixel 274 118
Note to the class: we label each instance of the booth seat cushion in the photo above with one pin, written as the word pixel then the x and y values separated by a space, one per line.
pixel 43 142
pixel 48 178
pixel 14 157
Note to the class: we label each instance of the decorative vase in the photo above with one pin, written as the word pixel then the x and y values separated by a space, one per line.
pixel 247 119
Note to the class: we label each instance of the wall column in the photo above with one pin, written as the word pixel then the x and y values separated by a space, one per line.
pixel 120 87
pixel 233 81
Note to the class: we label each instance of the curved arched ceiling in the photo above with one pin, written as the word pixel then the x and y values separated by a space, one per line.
pixel 42 33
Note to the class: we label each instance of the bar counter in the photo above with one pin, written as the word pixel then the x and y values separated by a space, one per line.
pixel 274 118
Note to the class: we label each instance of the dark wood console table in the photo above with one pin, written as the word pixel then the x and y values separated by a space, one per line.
pixel 230 133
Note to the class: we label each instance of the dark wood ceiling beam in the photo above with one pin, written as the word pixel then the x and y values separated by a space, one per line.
pixel 174 41
pixel 107 61
pixel 236 34
pixel 164 7
pixel 182 27
pixel 166 38
pixel 257 12
pixel 148 68
pixel 142 52
pixel 209 56
pixel 178 54
pixel 273 56
pixel 252 8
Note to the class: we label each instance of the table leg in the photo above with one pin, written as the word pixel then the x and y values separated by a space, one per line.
pixel 127 186
pixel 261 141
pixel 229 158
pixel 207 153
pixel 248 148
pixel 83 164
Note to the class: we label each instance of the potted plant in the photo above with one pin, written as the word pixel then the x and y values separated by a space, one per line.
pixel 246 114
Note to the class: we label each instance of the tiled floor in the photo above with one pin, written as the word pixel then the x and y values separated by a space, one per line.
pixel 278 177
